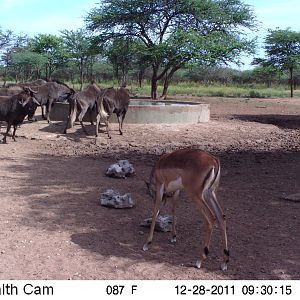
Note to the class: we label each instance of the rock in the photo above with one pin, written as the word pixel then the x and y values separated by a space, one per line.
pixel 292 197
pixel 121 169
pixel 163 223
pixel 111 198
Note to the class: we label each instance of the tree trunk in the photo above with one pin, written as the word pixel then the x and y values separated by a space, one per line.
pixel 141 76
pixel 4 77
pixel 47 71
pixel 291 82
pixel 165 89
pixel 81 74
pixel 123 82
pixel 154 83
pixel 167 80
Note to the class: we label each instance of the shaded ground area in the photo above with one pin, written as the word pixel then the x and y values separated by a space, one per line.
pixel 54 228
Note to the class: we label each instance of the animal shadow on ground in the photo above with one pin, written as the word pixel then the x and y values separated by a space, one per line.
pixel 281 121
pixel 76 133
pixel 62 194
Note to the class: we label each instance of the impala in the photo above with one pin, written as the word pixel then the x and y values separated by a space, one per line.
pixel 198 173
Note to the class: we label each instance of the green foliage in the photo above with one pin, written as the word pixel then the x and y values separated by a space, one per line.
pixel 80 48
pixel 283 48
pixel 282 52
pixel 121 54
pixel 78 44
pixel 188 89
pixel 6 38
pixel 177 32
pixel 52 48
pixel 27 63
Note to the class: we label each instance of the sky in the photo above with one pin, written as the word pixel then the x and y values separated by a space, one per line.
pixel 51 16
pixel 43 16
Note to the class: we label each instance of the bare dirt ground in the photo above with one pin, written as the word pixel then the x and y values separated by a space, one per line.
pixel 53 227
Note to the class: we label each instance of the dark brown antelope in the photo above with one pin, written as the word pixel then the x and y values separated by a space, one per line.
pixel 112 101
pixel 198 173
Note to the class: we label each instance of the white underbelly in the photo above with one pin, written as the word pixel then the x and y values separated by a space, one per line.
pixel 174 185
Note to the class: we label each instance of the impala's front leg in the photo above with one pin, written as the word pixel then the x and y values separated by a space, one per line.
pixel 158 199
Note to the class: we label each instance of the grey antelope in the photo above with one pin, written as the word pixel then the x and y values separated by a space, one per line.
pixel 198 173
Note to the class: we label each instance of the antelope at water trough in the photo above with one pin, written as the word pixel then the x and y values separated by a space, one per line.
pixel 198 173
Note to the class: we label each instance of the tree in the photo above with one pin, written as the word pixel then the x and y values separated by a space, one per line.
pixel 52 47
pixel 13 45
pixel 282 52
pixel 121 53
pixel 28 64
pixel 80 48
pixel 265 74
pixel 6 38
pixel 175 32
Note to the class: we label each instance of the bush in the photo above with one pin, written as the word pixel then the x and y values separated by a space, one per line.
pixel 255 94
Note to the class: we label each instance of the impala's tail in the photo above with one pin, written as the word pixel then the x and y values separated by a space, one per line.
pixel 210 185
pixel 209 196
pixel 212 179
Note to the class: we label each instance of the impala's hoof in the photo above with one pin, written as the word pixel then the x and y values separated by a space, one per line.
pixel 224 266
pixel 198 264
pixel 146 246
pixel 173 240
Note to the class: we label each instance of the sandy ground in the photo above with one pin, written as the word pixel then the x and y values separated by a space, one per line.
pixel 53 227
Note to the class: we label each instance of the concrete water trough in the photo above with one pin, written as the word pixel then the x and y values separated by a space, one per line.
pixel 146 112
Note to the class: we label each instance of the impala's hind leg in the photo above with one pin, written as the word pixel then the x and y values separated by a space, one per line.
pixel 218 211
pixel 209 218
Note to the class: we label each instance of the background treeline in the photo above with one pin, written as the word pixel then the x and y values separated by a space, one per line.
pixel 74 58
pixel 156 47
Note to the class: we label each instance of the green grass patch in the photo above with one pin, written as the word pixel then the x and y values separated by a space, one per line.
pixel 200 90
pixel 204 90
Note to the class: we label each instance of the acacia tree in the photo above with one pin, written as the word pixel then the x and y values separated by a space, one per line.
pixel 51 46
pixel 265 74
pixel 27 64
pixel 11 44
pixel 80 48
pixel 120 54
pixel 175 32
pixel 282 52
pixel 6 38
